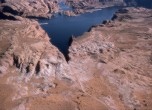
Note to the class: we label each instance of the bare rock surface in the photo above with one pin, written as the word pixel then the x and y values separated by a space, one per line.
pixel 29 8
pixel 27 46
pixel 113 62
pixel 29 64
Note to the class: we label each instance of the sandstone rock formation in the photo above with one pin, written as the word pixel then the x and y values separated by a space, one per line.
pixel 29 8
pixel 113 62
pixel 29 64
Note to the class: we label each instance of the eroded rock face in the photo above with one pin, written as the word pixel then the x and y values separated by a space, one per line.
pixel 26 46
pixel 30 8
pixel 28 62
pixel 112 62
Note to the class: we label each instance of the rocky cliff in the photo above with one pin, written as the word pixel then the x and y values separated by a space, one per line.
pixel 113 62
pixel 29 64
pixel 29 8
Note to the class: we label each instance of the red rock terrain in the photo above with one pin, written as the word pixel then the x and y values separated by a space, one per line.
pixel 114 61
pixel 109 68
pixel 29 8
pixel 29 63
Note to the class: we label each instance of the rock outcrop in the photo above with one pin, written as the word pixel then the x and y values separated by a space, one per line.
pixel 113 62
pixel 29 64
pixel 30 8
pixel 26 46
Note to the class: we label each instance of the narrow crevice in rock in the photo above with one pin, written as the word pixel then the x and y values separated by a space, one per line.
pixel 69 44
pixel 37 69
pixel 15 61
pixel 10 10
pixel 8 17
pixel 27 69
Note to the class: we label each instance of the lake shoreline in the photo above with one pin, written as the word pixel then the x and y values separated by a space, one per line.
pixel 61 28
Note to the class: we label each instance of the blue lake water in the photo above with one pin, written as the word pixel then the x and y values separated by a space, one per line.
pixel 61 28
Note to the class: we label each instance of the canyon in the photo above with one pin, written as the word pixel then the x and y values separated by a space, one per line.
pixel 109 67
